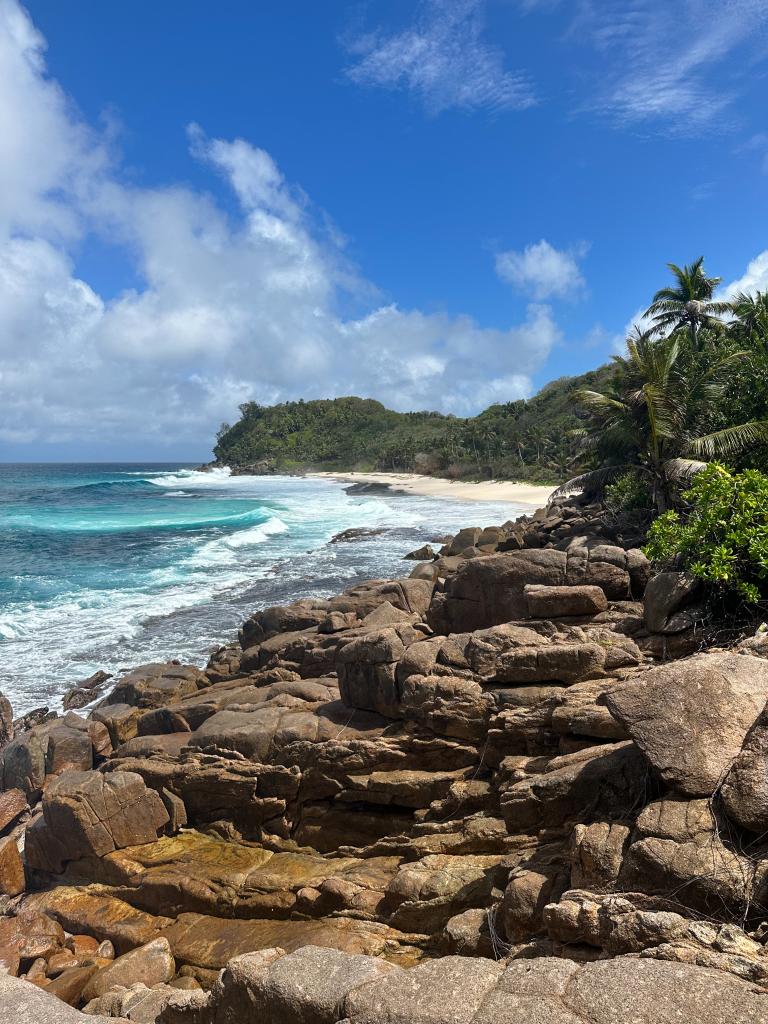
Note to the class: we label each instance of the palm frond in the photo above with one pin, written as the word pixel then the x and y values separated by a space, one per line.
pixel 682 470
pixel 587 481
pixel 731 440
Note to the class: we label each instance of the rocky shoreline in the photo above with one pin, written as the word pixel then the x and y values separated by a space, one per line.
pixel 510 786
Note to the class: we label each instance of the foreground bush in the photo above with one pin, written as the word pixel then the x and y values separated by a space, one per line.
pixel 721 536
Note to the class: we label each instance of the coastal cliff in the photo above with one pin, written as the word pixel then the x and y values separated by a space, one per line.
pixel 518 784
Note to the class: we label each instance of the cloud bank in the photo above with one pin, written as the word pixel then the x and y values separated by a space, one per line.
pixel 227 308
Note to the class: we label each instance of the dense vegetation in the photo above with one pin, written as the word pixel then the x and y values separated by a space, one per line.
pixel 536 439
pixel 693 386
pixel 720 535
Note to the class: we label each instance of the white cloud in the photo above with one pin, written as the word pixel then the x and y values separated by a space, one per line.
pixel 754 279
pixel 444 59
pixel 542 270
pixel 230 306
pixel 660 62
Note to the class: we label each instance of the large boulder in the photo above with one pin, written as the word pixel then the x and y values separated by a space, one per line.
pixel 488 591
pixel 665 598
pixel 584 786
pixel 152 964
pixel 690 718
pixel 21 1001
pixel 90 814
pixel 744 792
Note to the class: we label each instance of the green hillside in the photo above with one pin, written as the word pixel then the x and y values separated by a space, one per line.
pixel 535 439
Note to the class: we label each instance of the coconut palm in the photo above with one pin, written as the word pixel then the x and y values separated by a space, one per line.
pixel 750 322
pixel 689 304
pixel 656 416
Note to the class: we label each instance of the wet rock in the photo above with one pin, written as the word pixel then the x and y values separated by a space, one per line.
pixel 423 554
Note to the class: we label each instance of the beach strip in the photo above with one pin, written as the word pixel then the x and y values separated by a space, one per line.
pixel 516 493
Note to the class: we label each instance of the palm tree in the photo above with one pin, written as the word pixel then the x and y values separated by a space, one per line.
pixel 656 414
pixel 751 318
pixel 689 304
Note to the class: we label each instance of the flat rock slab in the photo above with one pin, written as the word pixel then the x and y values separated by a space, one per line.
pixel 91 912
pixel 463 990
pixel 210 942
pixel 690 718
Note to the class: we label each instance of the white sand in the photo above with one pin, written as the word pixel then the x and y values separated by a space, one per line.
pixel 438 487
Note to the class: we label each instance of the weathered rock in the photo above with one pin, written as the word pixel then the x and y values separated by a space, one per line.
pixel 677 849
pixel 13 803
pixel 744 792
pixel 30 934
pixel 24 764
pixel 690 718
pixel 90 814
pixel 447 991
pixel 666 594
pixel 107 919
pixel 304 987
pixel 596 854
pixel 11 868
pixel 152 964
pixel 592 784
pixel 557 602
pixel 22 1001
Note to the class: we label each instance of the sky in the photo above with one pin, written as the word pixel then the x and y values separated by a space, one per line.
pixel 436 203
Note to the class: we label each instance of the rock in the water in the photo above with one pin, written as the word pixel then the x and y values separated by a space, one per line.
pixel 690 718
pixel 423 554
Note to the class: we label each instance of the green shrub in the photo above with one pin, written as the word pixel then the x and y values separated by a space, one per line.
pixel 721 536
pixel 627 493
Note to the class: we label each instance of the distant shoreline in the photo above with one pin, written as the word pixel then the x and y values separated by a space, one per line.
pixel 534 495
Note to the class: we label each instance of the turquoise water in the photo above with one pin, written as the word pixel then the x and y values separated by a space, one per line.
pixel 106 566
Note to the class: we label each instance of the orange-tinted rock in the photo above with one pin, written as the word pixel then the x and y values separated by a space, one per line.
pixel 152 964
pixel 12 881
pixel 13 803
pixel 103 917
pixel 9 962
pixel 84 945
pixel 60 961
pixel 31 934
pixel 70 984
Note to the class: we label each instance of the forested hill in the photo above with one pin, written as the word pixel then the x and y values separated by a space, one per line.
pixel 535 439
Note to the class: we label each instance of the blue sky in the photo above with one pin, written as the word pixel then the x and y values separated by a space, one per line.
pixel 439 204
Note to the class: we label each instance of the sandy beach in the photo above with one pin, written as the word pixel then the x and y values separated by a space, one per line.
pixel 438 487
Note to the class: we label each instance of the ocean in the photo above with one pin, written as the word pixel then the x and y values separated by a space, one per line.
pixel 108 566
